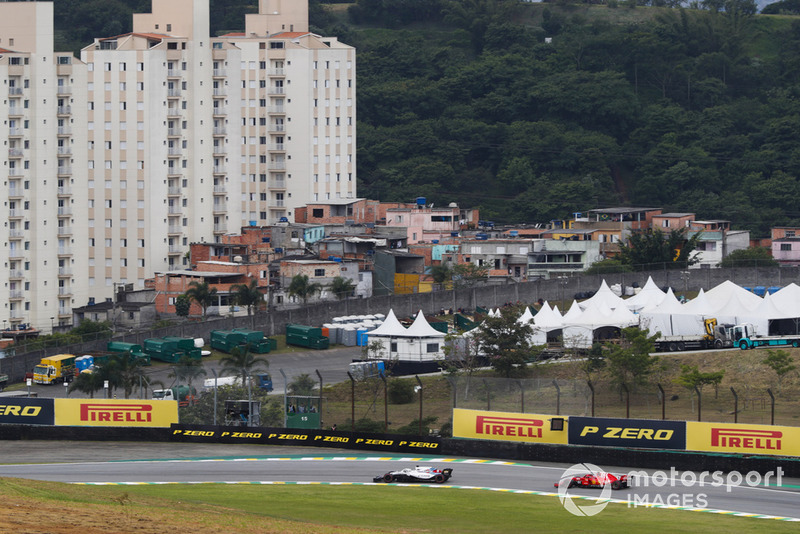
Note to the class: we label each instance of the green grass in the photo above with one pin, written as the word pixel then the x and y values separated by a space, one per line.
pixel 345 508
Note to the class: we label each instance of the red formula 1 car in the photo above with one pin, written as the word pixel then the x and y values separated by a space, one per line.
pixel 598 480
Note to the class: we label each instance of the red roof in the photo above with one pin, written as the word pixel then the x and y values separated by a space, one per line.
pixel 233 34
pixel 289 35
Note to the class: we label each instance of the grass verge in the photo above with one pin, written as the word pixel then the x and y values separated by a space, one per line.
pixel 34 506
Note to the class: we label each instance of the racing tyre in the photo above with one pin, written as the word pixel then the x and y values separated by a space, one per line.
pixel 388 477
pixel 615 485
pixel 438 478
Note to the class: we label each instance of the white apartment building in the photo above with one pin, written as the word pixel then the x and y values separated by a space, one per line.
pixel 159 138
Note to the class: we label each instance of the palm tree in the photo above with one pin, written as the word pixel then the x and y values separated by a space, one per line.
pixel 87 383
pixel 123 371
pixel 301 287
pixel 342 287
pixel 202 294
pixel 248 295
pixel 241 362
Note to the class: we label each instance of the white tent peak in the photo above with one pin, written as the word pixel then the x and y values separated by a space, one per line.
pixel 390 326
pixel 421 328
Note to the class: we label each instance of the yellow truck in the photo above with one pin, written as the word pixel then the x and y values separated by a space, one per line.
pixel 54 369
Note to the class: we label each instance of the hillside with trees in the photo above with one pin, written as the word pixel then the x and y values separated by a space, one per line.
pixel 534 111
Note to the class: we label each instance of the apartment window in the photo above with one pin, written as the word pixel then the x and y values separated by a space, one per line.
pixel 319 272
pixel 786 246
pixel 107 67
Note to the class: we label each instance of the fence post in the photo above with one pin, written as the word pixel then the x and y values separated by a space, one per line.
pixel 663 402
pixel 320 394
pixel 627 401
pixel 522 395
pixel 385 404
pixel 558 398
pixel 699 404
pixel 488 396
pixel 735 405
pixel 352 402
pixel 772 409
pixel 420 403
pixel 591 387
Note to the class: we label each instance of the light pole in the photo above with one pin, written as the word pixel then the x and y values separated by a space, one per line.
pixel 52 325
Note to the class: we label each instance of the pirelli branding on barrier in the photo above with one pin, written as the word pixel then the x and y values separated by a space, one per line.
pixel 505 426
pixel 304 438
pixel 640 433
pixel 741 438
pixel 115 412
pixel 24 411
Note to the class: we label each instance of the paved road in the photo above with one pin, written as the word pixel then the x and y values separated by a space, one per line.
pixel 332 365
pixel 185 463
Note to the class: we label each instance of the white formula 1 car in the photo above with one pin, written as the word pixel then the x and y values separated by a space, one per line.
pixel 416 474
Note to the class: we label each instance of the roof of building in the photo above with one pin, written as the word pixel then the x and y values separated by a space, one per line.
pixel 289 35
pixel 199 274
pixel 674 214
pixel 622 210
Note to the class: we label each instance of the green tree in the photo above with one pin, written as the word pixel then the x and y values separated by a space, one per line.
pixel 692 378
pixel 608 266
pixel 182 306
pixel 749 257
pixel 507 343
pixel 248 295
pixel 88 383
pixel 187 371
pixel 469 274
pixel 651 247
pixel 594 361
pixel 302 385
pixel 780 362
pixel 123 371
pixel 630 363
pixel 441 273
pixel 301 287
pixel 342 287
pixel 203 294
pixel 90 330
pixel 241 362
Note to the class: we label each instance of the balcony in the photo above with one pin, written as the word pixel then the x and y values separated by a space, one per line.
pixel 64 170
pixel 277 72
pixel 14 192
pixel 15 295
pixel 220 73
pixel 15 254
pixel 275 203
pixel 64 251
pixel 174 210
pixel 64 191
pixel 15 274
pixel 175 249
pixel 64 110
pixel 277 166
pixel 64 291
pixel 15 314
pixel 220 207
pixel 173 229
pixel 220 169
pixel 16 214
pixel 277 184
pixel 15 90
pixel 173 111
pixel 64 210
pixel 15 111
pixel 173 93
pixel 14 152
pixel 219 130
pixel 220 189
pixel 64 151
pixel 64 271
pixel 173 73
pixel 277 147
pixel 276 90
pixel 64 130
pixel 220 110
pixel 277 109
pixel 174 152
pixel 64 230
pixel 220 228
pixel 64 90
pixel 219 150
pixel 15 234
pixel 15 132
pixel 174 191
pixel 64 312
pixel 174 132
pixel 220 91
pixel 277 127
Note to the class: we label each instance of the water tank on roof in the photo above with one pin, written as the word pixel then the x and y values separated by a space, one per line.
pixel 253 223
pixel 421 201
pixel 237 259
pixel 513 233
pixel 434 241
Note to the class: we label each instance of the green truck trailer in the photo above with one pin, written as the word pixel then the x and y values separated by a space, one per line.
pixel 306 336
pixel 135 350
pixel 186 344
pixel 257 341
